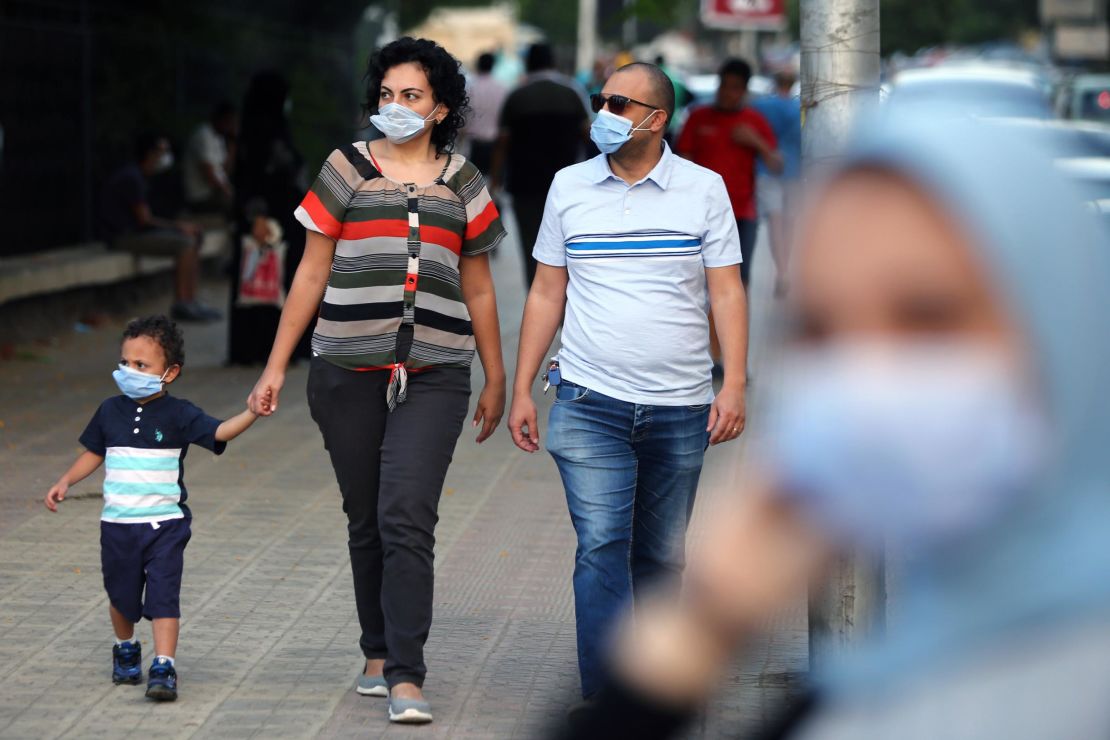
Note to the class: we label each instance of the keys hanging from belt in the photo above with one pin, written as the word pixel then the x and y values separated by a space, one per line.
pixel 552 377
pixel 398 388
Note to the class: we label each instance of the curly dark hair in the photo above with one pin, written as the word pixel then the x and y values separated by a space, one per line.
pixel 161 330
pixel 447 81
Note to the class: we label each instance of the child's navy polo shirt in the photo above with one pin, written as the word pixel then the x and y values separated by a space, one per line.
pixel 144 446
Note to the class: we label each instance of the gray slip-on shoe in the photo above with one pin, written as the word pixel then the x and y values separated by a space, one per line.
pixel 409 711
pixel 372 685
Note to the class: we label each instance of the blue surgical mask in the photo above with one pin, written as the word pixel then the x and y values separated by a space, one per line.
pixel 135 384
pixel 916 445
pixel 610 131
pixel 398 123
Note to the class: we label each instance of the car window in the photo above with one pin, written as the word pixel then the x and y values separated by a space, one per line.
pixel 975 97
pixel 1094 105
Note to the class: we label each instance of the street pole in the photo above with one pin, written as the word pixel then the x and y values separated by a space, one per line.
pixel 840 83
pixel 840 72
pixel 587 36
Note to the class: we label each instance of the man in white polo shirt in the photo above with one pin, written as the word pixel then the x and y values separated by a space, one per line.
pixel 635 246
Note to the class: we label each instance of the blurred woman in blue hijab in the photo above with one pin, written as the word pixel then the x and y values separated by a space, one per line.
pixel 944 399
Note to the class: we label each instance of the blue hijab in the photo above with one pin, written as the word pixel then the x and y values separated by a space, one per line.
pixel 1045 563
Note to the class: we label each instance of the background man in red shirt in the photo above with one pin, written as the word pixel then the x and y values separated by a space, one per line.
pixel 726 137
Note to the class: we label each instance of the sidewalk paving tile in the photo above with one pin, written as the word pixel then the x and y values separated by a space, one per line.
pixel 269 632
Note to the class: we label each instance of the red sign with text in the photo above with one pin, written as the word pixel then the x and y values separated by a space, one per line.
pixel 744 14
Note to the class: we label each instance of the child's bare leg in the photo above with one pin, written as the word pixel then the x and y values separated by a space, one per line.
pixel 124 627
pixel 374 666
pixel 165 635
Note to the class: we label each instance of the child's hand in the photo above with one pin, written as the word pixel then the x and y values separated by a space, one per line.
pixel 265 403
pixel 263 399
pixel 56 494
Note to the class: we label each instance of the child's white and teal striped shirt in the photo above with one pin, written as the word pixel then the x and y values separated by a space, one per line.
pixel 144 448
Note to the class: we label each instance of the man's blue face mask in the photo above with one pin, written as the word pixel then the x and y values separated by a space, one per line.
pixel 610 131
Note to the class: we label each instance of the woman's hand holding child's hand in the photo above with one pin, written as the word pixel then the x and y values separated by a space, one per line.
pixel 262 400
pixel 265 403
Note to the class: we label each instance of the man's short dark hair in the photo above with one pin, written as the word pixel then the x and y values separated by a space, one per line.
pixel 736 67
pixel 486 62
pixel 145 143
pixel 163 331
pixel 662 89
pixel 540 57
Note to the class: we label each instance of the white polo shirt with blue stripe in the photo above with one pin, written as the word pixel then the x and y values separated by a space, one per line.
pixel 636 325
pixel 144 446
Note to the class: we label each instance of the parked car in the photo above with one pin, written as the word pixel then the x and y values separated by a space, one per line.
pixel 1086 98
pixel 1079 149
pixel 975 89
pixel 1065 139
pixel 1093 176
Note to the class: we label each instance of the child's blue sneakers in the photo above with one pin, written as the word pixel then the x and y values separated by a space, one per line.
pixel 161 681
pixel 127 663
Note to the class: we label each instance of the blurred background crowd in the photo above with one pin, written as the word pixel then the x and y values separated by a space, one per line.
pixel 80 80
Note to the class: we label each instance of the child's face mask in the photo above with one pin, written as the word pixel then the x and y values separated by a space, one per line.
pixel 137 385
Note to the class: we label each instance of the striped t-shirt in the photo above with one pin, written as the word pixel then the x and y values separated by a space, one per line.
pixel 637 314
pixel 144 446
pixel 397 252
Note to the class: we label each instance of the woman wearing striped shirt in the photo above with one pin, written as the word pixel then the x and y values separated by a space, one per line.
pixel 396 265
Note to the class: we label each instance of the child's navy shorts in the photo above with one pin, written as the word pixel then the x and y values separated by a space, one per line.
pixel 136 555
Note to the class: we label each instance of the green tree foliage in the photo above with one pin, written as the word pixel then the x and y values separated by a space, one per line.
pixel 559 20
pixel 80 79
pixel 161 65
pixel 909 25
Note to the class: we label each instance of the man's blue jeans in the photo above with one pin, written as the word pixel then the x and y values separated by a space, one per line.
pixel 630 472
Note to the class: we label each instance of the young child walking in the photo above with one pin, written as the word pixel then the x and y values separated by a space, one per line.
pixel 142 437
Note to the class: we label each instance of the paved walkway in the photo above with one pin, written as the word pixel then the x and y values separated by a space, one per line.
pixel 269 633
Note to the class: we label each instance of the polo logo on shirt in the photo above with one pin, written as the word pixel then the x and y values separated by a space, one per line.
pixel 633 244
pixel 157 435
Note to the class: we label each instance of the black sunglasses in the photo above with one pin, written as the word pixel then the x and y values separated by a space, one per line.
pixel 617 103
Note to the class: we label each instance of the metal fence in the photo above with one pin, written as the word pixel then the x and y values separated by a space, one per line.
pixel 79 79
